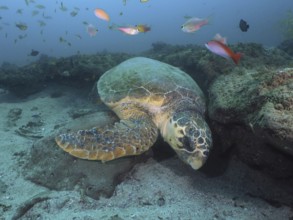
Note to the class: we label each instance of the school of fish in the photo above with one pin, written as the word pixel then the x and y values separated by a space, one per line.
pixel 218 45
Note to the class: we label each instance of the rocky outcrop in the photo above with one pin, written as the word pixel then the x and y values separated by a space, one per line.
pixel 47 165
pixel 77 70
pixel 257 105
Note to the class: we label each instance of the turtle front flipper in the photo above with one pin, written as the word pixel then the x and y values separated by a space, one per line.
pixel 125 138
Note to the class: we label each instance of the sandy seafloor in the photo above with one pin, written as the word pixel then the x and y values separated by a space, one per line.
pixel 153 190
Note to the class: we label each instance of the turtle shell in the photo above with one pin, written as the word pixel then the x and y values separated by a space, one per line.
pixel 145 79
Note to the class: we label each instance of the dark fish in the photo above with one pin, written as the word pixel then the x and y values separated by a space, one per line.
pixel 21 26
pixel 243 25
pixel 34 53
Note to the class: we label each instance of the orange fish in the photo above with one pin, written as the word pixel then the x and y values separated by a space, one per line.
pixel 218 46
pixel 100 13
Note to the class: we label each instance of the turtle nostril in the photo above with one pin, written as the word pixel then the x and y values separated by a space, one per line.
pixel 205 153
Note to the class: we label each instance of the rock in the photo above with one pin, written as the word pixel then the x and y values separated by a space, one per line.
pixel 77 70
pixel 14 115
pixel 49 166
pixel 287 46
pixel 258 104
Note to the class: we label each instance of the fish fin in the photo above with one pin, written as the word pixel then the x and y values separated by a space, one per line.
pixel 221 39
pixel 236 57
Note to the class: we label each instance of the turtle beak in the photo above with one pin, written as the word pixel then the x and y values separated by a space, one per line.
pixel 196 160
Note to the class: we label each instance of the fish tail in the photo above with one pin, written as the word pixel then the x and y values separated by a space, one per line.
pixel 236 57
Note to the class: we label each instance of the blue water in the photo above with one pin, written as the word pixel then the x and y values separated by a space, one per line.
pixel 164 16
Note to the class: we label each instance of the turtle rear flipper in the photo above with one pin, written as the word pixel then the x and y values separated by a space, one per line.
pixel 125 138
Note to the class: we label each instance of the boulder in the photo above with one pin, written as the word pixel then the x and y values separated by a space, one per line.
pixel 257 105
pixel 49 166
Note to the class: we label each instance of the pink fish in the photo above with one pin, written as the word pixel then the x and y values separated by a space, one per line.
pixel 91 30
pixel 194 24
pixel 129 30
pixel 219 46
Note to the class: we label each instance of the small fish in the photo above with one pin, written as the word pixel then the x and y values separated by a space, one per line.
pixel 34 53
pixel 19 11
pixel 20 37
pixel 100 13
pixel 143 28
pixel 42 23
pixel 21 26
pixel 219 46
pixel 62 40
pixel 40 6
pixel 78 36
pixel 27 2
pixel 194 24
pixel 62 7
pixel 73 13
pixel 85 22
pixel 130 30
pixel 91 30
pixel 46 16
pixel 144 1
pixel 243 25
pixel 3 7
pixel 35 12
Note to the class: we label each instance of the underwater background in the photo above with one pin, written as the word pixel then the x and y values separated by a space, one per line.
pixel 58 28
pixel 54 53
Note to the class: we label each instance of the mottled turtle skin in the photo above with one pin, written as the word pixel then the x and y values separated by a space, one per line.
pixel 150 97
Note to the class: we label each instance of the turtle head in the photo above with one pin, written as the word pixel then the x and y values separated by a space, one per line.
pixel 190 137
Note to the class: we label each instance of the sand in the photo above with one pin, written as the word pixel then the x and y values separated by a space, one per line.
pixel 165 189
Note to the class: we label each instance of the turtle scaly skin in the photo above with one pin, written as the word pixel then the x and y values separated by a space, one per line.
pixel 149 97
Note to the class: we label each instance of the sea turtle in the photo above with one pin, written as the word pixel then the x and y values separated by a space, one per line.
pixel 149 97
